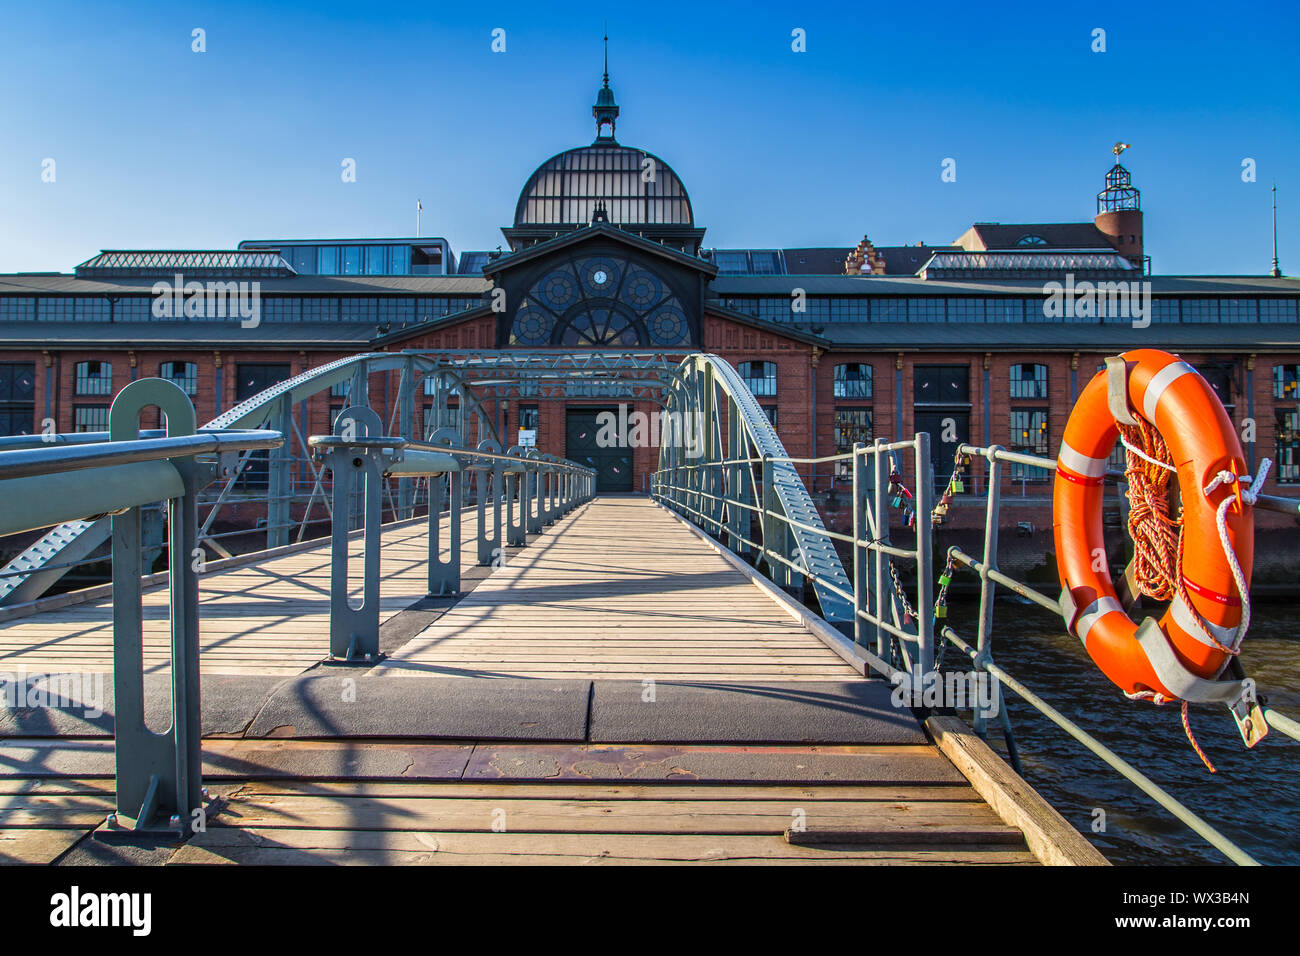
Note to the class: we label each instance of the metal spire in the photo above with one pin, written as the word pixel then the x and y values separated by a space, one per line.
pixel 1277 272
pixel 607 55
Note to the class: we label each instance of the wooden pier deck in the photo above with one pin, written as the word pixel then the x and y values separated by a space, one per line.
pixel 268 617
pixel 616 692
pixel 623 589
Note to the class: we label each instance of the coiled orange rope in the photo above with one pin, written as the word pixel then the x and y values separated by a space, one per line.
pixel 1157 535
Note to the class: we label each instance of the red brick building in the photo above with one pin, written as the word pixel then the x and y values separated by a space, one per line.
pixel 987 339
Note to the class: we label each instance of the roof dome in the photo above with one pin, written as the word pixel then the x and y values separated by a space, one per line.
pixel 633 186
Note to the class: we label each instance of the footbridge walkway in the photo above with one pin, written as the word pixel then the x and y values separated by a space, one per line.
pixel 485 660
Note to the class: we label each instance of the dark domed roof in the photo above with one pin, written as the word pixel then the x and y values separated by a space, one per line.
pixel 635 188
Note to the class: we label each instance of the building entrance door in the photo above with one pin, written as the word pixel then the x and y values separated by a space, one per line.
pixel 948 428
pixel 613 466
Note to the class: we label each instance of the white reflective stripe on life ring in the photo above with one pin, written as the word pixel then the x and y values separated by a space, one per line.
pixel 1159 382
pixel 1185 618
pixel 1092 613
pixel 1081 464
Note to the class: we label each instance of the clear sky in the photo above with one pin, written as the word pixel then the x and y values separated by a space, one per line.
pixel 156 146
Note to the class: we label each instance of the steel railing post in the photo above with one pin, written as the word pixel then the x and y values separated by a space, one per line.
pixel 406 429
pixel 354 631
pixel 158 779
pixel 861 598
pixel 883 638
pixel 277 507
pixel 444 575
pixel 489 489
pixel 766 520
pixel 533 509
pixel 736 487
pixel 517 502
pixel 987 585
pixel 924 554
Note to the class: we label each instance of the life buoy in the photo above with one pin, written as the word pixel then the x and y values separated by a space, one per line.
pixel 1169 394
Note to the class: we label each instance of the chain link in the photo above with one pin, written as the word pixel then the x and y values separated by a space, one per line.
pixel 941 609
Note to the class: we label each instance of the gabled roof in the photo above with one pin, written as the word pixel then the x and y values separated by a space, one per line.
pixel 595 231
pixel 1056 235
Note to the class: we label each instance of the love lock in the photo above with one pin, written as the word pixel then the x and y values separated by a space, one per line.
pixel 1249 715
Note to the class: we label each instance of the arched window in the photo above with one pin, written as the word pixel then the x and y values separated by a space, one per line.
pixel 853 380
pixel 1028 380
pixel 600 301
pixel 760 377
pixel 94 378
pixel 184 374
pixel 1031 240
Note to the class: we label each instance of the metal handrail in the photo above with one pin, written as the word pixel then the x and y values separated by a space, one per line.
pixel 56 459
pixel 981 655
pixel 867 596
pixel 875 540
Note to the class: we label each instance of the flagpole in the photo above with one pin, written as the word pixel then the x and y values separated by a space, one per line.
pixel 419 207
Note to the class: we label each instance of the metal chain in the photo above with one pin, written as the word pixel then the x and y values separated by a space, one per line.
pixel 941 609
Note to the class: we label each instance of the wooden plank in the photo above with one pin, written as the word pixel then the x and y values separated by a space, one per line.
pixel 37 846
pixel 570 791
pixel 925 820
pixel 1048 834
pixel 335 847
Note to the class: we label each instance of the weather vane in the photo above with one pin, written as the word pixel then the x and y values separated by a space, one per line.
pixel 1119 148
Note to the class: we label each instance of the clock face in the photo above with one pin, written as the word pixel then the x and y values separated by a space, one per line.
pixel 601 277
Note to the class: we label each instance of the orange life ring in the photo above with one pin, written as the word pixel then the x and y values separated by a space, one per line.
pixel 1172 396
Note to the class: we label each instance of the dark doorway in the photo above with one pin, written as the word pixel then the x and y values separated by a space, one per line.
pixel 613 465
pixel 251 378
pixel 941 423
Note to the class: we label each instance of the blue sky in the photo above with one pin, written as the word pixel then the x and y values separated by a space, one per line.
pixel 156 146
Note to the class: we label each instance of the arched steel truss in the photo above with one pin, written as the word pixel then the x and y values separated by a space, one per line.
pixel 744 480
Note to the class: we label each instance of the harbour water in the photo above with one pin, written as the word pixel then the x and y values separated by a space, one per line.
pixel 1254 799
